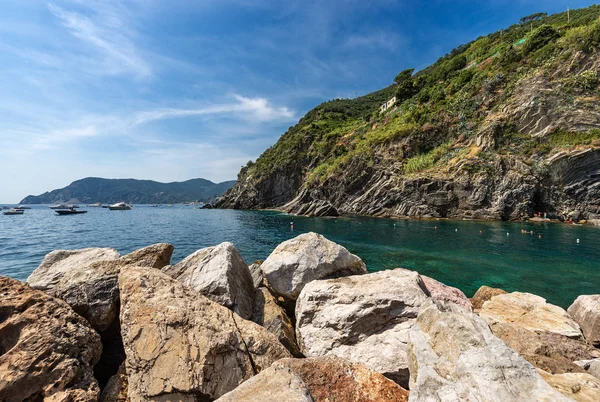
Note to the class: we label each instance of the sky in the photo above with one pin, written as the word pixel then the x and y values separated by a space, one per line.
pixel 174 90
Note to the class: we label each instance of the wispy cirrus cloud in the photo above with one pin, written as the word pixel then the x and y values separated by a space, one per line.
pixel 107 33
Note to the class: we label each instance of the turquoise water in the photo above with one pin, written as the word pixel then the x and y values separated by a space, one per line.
pixel 464 254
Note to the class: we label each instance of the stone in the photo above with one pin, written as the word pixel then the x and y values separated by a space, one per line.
pixel 220 274
pixel 591 366
pixel 154 256
pixel 269 314
pixel 306 258
pixel 277 383
pixel 585 310
pixel 362 318
pixel 580 387
pixel 442 292
pixel 60 263
pixel 484 294
pixel 116 388
pixel 256 273
pixel 548 351
pixel 530 312
pixel 47 351
pixel 455 357
pixel 334 379
pixel 181 345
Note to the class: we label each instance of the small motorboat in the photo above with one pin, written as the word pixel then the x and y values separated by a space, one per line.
pixel 70 211
pixel 59 206
pixel 95 205
pixel 13 212
pixel 21 207
pixel 120 206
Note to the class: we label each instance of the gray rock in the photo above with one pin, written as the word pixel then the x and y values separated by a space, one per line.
pixel 592 366
pixel 362 318
pixel 220 274
pixel 585 310
pixel 306 258
pixel 455 357
pixel 257 275
pixel 182 346
pixel 274 384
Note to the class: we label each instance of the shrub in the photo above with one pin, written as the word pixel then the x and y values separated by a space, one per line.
pixel 540 37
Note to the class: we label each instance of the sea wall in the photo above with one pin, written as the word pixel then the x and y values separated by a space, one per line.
pixel 307 324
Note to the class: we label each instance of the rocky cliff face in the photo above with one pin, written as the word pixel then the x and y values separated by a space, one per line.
pixel 513 130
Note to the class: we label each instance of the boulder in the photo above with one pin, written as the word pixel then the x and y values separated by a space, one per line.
pixel 362 318
pixel 530 312
pixel 591 366
pixel 306 258
pixel 334 379
pixel 181 345
pixel 116 388
pixel 154 256
pixel 585 310
pixel 580 387
pixel 443 292
pixel 455 357
pixel 256 273
pixel 47 351
pixel 269 314
pixel 62 263
pixel 484 294
pixel 548 351
pixel 274 384
pixel 220 274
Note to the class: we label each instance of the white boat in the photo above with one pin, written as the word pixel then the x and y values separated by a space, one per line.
pixel 13 212
pixel 60 206
pixel 95 205
pixel 120 206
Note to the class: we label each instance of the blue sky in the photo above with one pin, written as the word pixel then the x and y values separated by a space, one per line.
pixel 172 90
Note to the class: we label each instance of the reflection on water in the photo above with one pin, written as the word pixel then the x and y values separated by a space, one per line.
pixel 464 254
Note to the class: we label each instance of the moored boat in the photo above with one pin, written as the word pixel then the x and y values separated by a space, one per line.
pixel 70 211
pixel 13 212
pixel 59 206
pixel 97 204
pixel 120 206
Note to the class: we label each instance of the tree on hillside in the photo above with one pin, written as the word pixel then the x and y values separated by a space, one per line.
pixel 533 17
pixel 405 87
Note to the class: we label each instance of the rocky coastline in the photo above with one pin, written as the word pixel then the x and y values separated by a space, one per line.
pixel 309 324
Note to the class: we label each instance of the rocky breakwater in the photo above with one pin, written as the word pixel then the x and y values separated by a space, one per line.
pixel 308 324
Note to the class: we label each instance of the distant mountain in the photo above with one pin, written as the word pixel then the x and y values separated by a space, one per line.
pixel 95 189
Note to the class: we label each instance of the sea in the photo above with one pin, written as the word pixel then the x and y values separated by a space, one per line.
pixel 556 261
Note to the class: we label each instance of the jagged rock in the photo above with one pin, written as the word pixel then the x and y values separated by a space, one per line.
pixel 116 388
pixel 276 383
pixel 585 310
pixel 220 274
pixel 484 294
pixel 591 366
pixel 60 264
pixel 181 345
pixel 47 351
pixel 530 312
pixel 362 318
pixel 269 314
pixel 305 258
pixel 442 292
pixel 154 256
pixel 455 357
pixel 334 379
pixel 256 273
pixel 550 352
pixel 580 387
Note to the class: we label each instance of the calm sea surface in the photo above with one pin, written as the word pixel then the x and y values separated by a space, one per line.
pixel 464 254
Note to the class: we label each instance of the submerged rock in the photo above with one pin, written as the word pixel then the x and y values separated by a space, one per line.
pixel 220 274
pixel 306 258
pixel 484 294
pixel 455 357
pixel 580 387
pixel 269 314
pixel 181 345
pixel 362 318
pixel 277 383
pixel 530 312
pixel 585 310
pixel 47 351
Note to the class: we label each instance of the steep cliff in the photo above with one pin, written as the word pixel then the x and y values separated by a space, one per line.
pixel 500 128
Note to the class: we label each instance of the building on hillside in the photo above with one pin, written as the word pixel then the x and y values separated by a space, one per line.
pixel 387 105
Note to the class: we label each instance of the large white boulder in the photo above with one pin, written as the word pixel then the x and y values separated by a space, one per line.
pixel 362 318
pixel 306 258
pixel 220 274
pixel 585 310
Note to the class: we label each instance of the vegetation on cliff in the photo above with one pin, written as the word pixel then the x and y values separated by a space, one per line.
pixel 518 96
